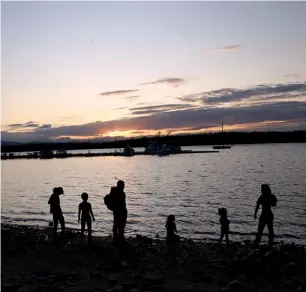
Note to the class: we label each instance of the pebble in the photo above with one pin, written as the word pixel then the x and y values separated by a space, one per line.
pixel 150 277
pixel 112 281
pixel 236 285
pixel 117 288
pixel 291 265
pixel 124 264
pixel 8 288
pixel 226 289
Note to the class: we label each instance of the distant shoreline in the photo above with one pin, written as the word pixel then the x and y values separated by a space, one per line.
pixel 207 139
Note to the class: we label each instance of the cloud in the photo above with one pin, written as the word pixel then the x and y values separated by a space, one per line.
pixel 119 108
pixel 158 108
pixel 264 92
pixel 189 98
pixel 73 117
pixel 133 97
pixel 30 124
pixel 119 92
pixel 265 105
pixel 229 48
pixel 286 113
pixel 45 126
pixel 292 75
pixel 175 82
pixel 14 125
pixel 226 49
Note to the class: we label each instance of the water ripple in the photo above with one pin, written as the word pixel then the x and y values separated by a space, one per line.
pixel 192 187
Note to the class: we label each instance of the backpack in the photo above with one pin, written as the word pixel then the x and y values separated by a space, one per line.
pixel 109 199
pixel 273 200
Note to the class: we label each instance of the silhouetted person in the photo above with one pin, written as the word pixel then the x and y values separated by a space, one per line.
pixel 171 230
pixel 119 211
pixel 266 200
pixel 55 209
pixel 224 222
pixel 86 211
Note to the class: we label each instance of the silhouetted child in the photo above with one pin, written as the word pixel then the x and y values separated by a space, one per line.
pixel 85 209
pixel 55 209
pixel 224 224
pixel 171 230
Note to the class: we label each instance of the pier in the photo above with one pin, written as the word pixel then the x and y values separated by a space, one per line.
pixel 121 154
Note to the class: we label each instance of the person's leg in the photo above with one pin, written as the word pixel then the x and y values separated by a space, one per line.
pixel 121 226
pixel 83 222
pixel 271 230
pixel 261 226
pixel 226 237
pixel 115 227
pixel 55 223
pixel 62 222
pixel 89 228
pixel 222 234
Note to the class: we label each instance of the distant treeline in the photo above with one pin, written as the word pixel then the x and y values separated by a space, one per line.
pixel 182 140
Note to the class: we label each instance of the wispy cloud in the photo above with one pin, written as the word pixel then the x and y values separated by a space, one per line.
pixel 119 108
pixel 45 126
pixel 175 82
pixel 30 125
pixel 119 92
pixel 72 117
pixel 133 97
pixel 292 114
pixel 271 106
pixel 147 110
pixel 264 92
pixel 189 98
pixel 292 75
pixel 229 48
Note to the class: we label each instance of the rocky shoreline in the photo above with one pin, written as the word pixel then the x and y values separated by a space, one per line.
pixel 33 261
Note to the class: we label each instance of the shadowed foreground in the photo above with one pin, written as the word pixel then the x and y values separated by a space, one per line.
pixel 31 261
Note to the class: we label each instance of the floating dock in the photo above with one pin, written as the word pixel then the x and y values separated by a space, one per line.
pixel 68 155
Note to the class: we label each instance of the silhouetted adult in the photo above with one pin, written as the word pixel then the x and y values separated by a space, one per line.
pixel 55 209
pixel 266 200
pixel 119 211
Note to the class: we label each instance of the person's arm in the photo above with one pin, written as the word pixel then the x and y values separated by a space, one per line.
pixel 50 199
pixel 256 209
pixel 175 228
pixel 90 210
pixel 79 213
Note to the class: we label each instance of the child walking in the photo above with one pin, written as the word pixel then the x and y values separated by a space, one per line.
pixel 224 222
pixel 171 230
pixel 86 211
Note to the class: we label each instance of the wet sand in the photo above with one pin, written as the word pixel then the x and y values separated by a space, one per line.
pixel 33 261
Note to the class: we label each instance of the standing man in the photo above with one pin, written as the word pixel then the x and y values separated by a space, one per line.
pixel 55 209
pixel 266 200
pixel 119 211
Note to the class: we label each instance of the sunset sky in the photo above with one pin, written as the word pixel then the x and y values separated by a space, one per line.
pixel 94 69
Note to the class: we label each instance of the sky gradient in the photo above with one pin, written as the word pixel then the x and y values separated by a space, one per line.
pixel 94 69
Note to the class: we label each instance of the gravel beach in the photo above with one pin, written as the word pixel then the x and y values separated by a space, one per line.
pixel 34 261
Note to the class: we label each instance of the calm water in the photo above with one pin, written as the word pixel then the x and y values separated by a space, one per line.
pixel 191 186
